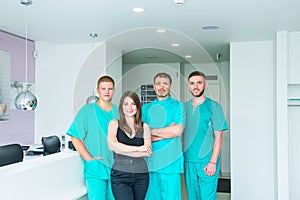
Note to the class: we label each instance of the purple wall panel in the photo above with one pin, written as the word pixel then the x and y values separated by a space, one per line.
pixel 16 47
pixel 20 127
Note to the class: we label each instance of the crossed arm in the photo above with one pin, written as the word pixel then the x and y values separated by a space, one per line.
pixel 171 131
pixel 128 150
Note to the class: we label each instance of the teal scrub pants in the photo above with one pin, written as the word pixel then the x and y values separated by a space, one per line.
pixel 164 186
pixel 98 187
pixel 198 185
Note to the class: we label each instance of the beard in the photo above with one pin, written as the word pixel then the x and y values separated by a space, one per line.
pixel 163 95
pixel 198 95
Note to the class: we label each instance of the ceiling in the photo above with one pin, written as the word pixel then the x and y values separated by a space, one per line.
pixel 66 21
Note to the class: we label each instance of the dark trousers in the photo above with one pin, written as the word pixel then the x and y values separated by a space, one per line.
pixel 129 184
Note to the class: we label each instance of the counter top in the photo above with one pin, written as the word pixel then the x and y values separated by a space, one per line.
pixel 56 176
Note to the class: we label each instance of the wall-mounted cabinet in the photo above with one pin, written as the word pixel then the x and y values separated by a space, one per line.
pixel 293 94
pixel 293 58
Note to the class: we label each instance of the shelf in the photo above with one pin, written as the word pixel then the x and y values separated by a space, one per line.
pixel 294 101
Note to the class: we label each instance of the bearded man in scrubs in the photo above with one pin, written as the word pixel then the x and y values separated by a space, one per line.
pixel 166 118
pixel 202 141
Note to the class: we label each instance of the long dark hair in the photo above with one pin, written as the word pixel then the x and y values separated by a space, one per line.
pixel 138 116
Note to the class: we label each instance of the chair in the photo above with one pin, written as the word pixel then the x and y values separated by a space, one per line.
pixel 71 146
pixel 51 144
pixel 11 153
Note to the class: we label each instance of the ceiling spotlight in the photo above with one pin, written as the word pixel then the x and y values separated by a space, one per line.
pixel 179 2
pixel 188 56
pixel 138 10
pixel 26 2
pixel 160 30
pixel 175 45
pixel 210 27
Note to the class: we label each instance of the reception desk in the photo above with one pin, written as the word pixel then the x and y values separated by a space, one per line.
pixel 56 176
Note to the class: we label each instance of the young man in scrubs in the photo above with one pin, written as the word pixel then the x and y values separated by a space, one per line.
pixel 88 132
pixel 166 118
pixel 202 140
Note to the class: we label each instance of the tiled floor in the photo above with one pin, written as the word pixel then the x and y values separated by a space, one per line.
pixel 220 196
pixel 223 196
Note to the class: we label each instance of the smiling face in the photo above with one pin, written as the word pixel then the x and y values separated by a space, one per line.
pixel 129 107
pixel 162 87
pixel 197 85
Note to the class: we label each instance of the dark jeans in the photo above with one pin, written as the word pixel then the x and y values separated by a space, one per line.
pixel 126 181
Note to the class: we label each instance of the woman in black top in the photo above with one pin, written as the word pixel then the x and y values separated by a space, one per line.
pixel 130 140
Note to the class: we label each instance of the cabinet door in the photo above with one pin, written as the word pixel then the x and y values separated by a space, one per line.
pixel 294 159
pixel 293 58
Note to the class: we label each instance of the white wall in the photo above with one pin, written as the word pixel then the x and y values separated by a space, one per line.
pixel 114 69
pixel 281 117
pixel 293 113
pixel 57 69
pixel 252 105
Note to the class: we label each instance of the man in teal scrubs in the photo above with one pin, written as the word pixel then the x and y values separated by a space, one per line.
pixel 202 141
pixel 166 118
pixel 88 132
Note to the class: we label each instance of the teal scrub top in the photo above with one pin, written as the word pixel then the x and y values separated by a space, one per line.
pixel 166 154
pixel 198 133
pixel 91 125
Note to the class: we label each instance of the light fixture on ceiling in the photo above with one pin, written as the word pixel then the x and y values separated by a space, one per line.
pixel 187 56
pixel 160 30
pixel 179 2
pixel 210 27
pixel 26 2
pixel 138 10
pixel 175 45
pixel 26 100
pixel 92 98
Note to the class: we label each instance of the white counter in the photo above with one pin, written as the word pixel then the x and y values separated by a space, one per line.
pixel 57 176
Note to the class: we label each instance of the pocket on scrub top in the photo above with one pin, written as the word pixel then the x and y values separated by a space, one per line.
pixel 94 169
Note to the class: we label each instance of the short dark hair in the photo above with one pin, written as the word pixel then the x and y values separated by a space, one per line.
pixel 197 73
pixel 105 78
pixel 162 75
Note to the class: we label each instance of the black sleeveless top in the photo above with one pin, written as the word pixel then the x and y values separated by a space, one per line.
pixel 137 140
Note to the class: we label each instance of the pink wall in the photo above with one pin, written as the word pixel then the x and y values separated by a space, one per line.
pixel 20 127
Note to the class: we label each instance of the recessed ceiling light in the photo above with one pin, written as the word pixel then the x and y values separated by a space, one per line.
pixel 160 30
pixel 210 27
pixel 138 10
pixel 26 2
pixel 175 45
pixel 187 56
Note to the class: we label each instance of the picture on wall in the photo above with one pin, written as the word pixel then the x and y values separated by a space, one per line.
pixel 5 97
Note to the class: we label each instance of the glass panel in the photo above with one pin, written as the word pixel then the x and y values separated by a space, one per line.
pixel 5 97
